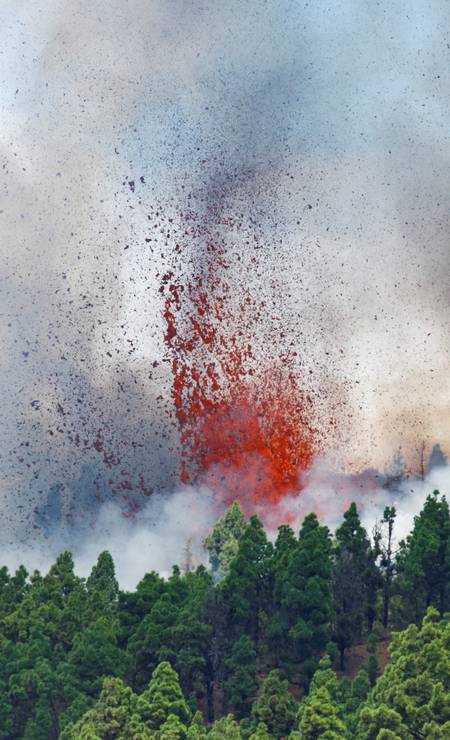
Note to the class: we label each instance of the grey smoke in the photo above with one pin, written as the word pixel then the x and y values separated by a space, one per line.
pixel 158 538
pixel 332 119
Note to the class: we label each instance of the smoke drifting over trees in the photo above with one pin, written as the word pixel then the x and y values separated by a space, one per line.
pixel 155 538
pixel 253 655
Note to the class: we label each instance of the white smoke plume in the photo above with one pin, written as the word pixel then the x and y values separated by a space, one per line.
pixel 157 538
pixel 329 495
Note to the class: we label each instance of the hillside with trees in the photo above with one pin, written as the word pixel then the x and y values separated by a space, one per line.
pixel 256 647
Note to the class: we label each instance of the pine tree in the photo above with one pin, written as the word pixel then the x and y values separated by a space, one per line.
pixel 324 679
pixel 102 586
pixel 95 655
pixel 320 718
pixel 382 723
pixel 353 698
pixel 152 641
pixel 325 676
pixel 261 733
pixel 113 717
pixel 197 730
pixel 172 729
pixel 13 589
pixel 134 606
pixel 225 728
pixel 247 587
pixel 241 684
pixel 348 604
pixel 412 696
pixel 307 599
pixel 160 713
pixel 53 607
pixel 423 562
pixel 223 542
pixel 216 616
pixel 285 546
pixel 190 635
pixel 163 697
pixel 275 707
pixel 38 635
pixel 387 563
pixel 354 582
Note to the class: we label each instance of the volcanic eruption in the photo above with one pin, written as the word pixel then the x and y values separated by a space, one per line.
pixel 246 425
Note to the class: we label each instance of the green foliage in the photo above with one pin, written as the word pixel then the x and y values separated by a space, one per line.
pixel 225 728
pixel 134 606
pixel 190 635
pixel 174 630
pixel 319 713
pixel 12 589
pixel 160 712
pixel 414 691
pixel 320 718
pixel 381 722
pixel 423 563
pixel 115 715
pixel 248 583
pixel 151 643
pixel 102 587
pixel 285 545
pixel 275 707
pixel 163 697
pixel 197 730
pixel 325 677
pixel 307 598
pixel 387 560
pixel 172 729
pixel 69 647
pixel 261 733
pixel 95 655
pixel 353 695
pixel 300 624
pixel 223 542
pixel 355 581
pixel 241 685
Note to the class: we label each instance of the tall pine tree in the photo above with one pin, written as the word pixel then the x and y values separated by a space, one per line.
pixel 423 562
pixel 355 581
pixel 248 587
pixel 307 598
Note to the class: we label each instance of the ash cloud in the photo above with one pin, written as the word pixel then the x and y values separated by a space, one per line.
pixel 324 125
pixel 158 539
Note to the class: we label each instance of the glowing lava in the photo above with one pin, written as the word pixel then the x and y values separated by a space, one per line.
pixel 244 428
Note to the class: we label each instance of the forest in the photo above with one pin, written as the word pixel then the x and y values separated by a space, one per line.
pixel 315 635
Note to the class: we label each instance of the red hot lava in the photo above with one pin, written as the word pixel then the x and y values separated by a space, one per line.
pixel 244 429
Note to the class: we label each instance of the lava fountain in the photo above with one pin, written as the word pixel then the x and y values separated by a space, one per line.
pixel 245 424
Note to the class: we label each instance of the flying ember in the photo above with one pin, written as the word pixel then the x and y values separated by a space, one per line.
pixel 245 426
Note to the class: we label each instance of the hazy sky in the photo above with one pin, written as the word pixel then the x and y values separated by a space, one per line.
pixel 332 120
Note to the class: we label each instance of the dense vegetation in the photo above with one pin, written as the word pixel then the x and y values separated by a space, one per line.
pixel 255 647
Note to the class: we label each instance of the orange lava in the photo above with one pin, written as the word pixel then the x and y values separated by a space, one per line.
pixel 244 427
